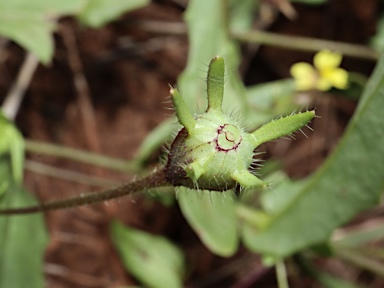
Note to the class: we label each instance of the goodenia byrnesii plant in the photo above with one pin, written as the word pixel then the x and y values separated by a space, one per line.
pixel 212 151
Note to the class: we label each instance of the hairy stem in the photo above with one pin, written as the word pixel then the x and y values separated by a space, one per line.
pixel 156 179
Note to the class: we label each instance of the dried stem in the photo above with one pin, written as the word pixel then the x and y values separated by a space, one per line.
pixel 15 96
pixel 64 174
pixel 82 88
pixel 77 155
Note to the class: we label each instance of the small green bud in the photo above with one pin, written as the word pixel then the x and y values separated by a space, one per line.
pixel 213 151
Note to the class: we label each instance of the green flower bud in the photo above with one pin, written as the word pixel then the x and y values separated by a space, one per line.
pixel 213 151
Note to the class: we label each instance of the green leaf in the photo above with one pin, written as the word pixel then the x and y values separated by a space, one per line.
pixel 152 259
pixel 29 23
pixel 377 41
pixel 12 142
pixel 46 7
pixel 270 100
pixel 242 14
pixel 212 216
pixel 349 182
pixel 98 12
pixel 208 36
pixel 22 238
pixel 29 30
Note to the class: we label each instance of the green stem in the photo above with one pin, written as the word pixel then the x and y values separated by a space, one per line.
pixel 156 179
pixel 281 275
pixel 79 156
pixel 272 39
pixel 305 43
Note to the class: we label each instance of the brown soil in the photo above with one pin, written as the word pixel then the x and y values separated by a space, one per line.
pixel 128 71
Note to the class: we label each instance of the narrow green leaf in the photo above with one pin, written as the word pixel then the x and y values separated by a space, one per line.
pixel 98 12
pixel 212 216
pixel 215 83
pixel 242 14
pixel 284 126
pixel 208 36
pixel 265 96
pixel 22 238
pixel 349 182
pixel 152 259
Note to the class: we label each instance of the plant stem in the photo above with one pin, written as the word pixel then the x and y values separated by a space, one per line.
pixel 15 96
pixel 80 156
pixel 305 43
pixel 156 179
pixel 281 275
pixel 272 39
pixel 65 174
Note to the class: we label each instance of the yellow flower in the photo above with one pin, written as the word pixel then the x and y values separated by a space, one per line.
pixel 325 74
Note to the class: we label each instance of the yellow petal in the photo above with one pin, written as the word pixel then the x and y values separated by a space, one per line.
pixel 339 78
pixel 305 76
pixel 323 84
pixel 326 59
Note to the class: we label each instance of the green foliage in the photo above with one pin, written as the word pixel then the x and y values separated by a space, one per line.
pixel 377 41
pixel 290 217
pixel 97 13
pixel 349 182
pixel 12 143
pixel 212 216
pixel 31 23
pixel 206 27
pixel 22 239
pixel 152 259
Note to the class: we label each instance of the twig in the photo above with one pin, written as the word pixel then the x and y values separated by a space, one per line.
pixel 80 156
pixel 3 43
pixel 64 174
pixel 82 88
pixel 15 96
pixel 272 39
pixel 353 256
pixel 305 43
pixel 74 277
